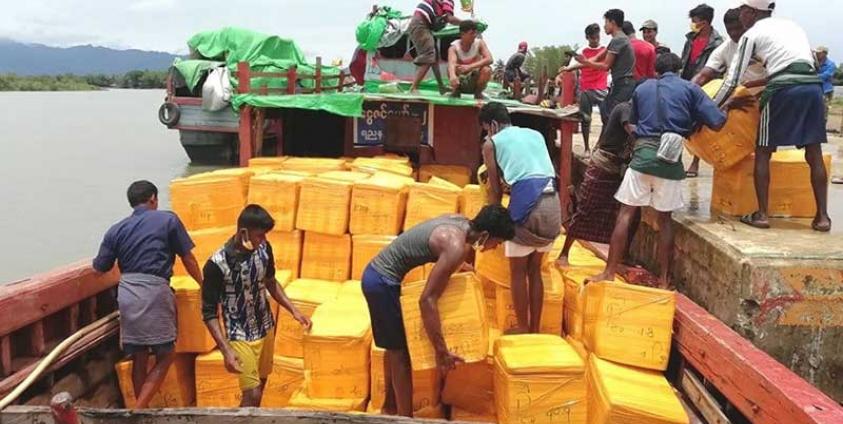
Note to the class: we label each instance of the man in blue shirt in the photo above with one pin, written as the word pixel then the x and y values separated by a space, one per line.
pixel 144 245
pixel 668 104
pixel 826 72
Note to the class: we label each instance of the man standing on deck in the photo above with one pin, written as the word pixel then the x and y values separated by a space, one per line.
pixel 444 241
pixel 650 30
pixel 593 83
pixel 238 276
pixel 519 156
pixel 618 58
pixel 469 61
pixel 791 104
pixel 755 77
pixel 645 55
pixel 429 16
pixel 514 68
pixel 664 110
pixel 699 45
pixel 144 245
pixel 826 71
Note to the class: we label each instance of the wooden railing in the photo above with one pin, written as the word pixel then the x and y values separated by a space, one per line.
pixel 245 74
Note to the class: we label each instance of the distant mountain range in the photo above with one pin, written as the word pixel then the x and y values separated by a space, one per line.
pixel 38 59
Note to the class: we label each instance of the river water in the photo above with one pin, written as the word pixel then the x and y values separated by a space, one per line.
pixel 67 160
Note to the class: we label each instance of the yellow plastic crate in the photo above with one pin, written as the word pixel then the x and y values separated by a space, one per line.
pixel 347 176
pixel 621 394
pixel 243 175
pixel 207 202
pixel 629 324
pixel 458 414
pixel 573 312
pixel 215 386
pixel 791 195
pixel 206 242
pixel 193 336
pixel 284 278
pixel 300 400
pixel 552 306
pixel 177 390
pixel 378 206
pixel 427 387
pixel 734 142
pixel 471 387
pixel 336 351
pixel 539 379
pixel 363 250
pixel 455 174
pixel 326 257
pixel 377 381
pixel 279 194
pixel 306 295
pixel 273 162
pixel 313 165
pixel 462 313
pixel 287 377
pixel 323 206
pixel 472 199
pixel 419 273
pixel 287 249
pixel 426 201
pixel 494 266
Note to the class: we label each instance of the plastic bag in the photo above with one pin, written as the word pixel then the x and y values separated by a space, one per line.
pixel 670 147
pixel 216 92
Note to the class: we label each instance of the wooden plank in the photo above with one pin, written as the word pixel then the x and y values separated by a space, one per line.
pixel 72 319
pixel 206 128
pixel 187 101
pixel 318 76
pixel 89 310
pixel 41 414
pixel 49 293
pixel 244 78
pixel 5 355
pixel 701 399
pixel 292 77
pixel 566 145
pixel 761 388
pixel 36 338
pixel 246 132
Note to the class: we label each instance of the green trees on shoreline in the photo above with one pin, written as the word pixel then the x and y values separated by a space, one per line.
pixel 69 82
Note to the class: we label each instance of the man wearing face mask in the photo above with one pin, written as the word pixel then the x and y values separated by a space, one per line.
pixel 699 45
pixel 519 156
pixel 238 276
pixel 444 241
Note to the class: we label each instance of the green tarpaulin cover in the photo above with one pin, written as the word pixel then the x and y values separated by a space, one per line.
pixel 192 69
pixel 370 31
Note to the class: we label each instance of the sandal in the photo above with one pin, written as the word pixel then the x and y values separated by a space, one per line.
pixel 752 221
pixel 837 180
pixel 821 228
pixel 691 174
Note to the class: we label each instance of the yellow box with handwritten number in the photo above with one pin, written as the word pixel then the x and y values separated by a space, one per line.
pixel 287 376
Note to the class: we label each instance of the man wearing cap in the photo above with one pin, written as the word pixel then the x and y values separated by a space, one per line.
pixel 645 55
pixel 792 105
pixel 514 68
pixel 826 72
pixel 650 30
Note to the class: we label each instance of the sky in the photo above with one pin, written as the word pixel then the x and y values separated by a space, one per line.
pixel 326 27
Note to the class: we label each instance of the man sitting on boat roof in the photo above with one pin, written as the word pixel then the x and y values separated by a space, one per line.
pixel 144 245
pixel 238 276
pixel 469 62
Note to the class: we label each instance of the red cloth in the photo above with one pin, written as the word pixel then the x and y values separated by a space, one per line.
pixel 697 47
pixel 645 59
pixel 593 79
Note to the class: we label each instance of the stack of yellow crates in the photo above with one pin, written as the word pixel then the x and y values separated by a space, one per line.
pixel 326 256
pixel 426 201
pixel 207 202
pixel 347 176
pixel 306 295
pixel 790 195
pixel 552 305
pixel 243 175
pixel 215 386
pixel 323 205
pixel 620 394
pixel 177 390
pixel 286 378
pixel 472 199
pixel 193 336
pixel 393 165
pixel 378 205
pixel 363 250
pixel 539 379
pixel 278 193
pixel 458 175
pixel 462 313
pixel 336 351
pixel 377 381
pixel 629 324
pixel 300 400
pixel 313 165
pixel 573 310
pixel 206 242
pixel 269 163
pixel 287 249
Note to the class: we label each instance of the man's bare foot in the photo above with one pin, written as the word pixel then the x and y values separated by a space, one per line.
pixel 516 330
pixel 603 276
pixel 821 224
pixel 563 262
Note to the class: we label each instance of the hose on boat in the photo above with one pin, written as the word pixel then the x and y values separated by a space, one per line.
pixel 48 360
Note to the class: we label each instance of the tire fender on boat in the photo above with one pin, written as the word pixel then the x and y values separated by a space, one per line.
pixel 169 114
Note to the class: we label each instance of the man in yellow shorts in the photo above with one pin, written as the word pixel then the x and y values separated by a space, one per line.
pixel 238 276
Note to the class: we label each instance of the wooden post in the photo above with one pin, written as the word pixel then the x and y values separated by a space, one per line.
pixel 61 407
pixel 278 129
pixel 318 80
pixel 37 344
pixel 246 134
pixel 72 318
pixel 244 78
pixel 6 356
pixel 292 76
pixel 89 311
pixel 341 82
pixel 566 141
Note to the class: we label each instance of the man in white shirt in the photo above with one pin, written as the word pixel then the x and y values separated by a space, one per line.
pixel 792 107
pixel 718 63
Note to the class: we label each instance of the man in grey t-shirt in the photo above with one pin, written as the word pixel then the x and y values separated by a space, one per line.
pixel 619 59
